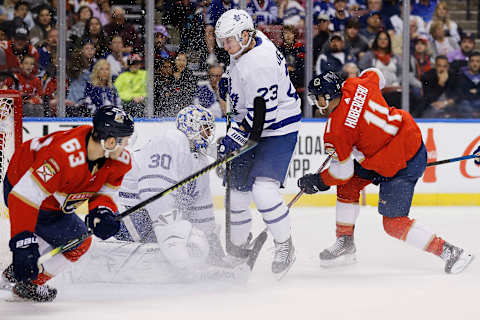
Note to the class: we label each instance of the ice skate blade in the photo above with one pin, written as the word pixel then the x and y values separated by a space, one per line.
pixel 344 260
pixel 462 263
pixel 279 276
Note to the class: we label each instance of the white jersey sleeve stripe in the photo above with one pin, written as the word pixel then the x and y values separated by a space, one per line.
pixel 158 176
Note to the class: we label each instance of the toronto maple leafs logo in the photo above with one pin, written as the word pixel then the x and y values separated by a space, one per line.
pixel 236 17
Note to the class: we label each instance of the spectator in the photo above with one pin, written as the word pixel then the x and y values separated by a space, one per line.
pixel 355 44
pixel 30 87
pixel 79 69
pixel 101 10
pixel 374 26
pixel 294 53
pixel 439 90
pixel 350 70
pixel 290 12
pixel 424 9
pixel 48 49
pixel 15 50
pixel 335 57
pixel 117 58
pixel 376 6
pixel 468 87
pixel 94 32
pixel 322 7
pixel 417 26
pixel 459 57
pixel 214 11
pixel 165 93
pixel 420 62
pixel 18 19
pixel 441 14
pixel 43 24
pixel 161 37
pixel 322 36
pixel 100 91
pixel 120 26
pixel 341 15
pixel 263 11
pixel 132 87
pixel 207 92
pixel 184 82
pixel 441 44
pixel 76 31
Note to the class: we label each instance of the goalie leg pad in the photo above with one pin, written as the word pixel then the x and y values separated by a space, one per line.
pixel 266 194
pixel 241 217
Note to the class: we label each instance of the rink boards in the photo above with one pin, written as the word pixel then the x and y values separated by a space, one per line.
pixel 450 184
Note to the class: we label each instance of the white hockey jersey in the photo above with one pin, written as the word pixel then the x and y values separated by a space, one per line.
pixel 161 163
pixel 262 71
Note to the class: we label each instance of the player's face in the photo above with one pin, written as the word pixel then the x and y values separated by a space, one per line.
pixel 115 146
pixel 231 45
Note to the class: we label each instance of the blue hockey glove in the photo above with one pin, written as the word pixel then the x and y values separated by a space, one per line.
pixel 234 139
pixel 369 174
pixel 25 253
pixel 312 183
pixel 477 153
pixel 223 88
pixel 102 221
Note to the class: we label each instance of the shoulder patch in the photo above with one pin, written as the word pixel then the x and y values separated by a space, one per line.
pixel 45 172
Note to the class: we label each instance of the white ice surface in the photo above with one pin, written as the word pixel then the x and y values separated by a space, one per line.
pixel 391 280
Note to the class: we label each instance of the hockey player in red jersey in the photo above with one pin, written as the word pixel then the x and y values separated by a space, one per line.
pixel 372 143
pixel 47 179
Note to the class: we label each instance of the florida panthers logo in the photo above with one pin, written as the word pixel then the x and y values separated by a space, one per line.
pixel 75 200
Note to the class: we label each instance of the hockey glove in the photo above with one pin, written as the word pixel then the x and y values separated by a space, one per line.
pixel 477 153
pixel 312 183
pixel 102 221
pixel 234 139
pixel 24 247
pixel 371 175
pixel 223 88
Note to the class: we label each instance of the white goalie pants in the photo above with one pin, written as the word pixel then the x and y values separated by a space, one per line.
pixel 268 200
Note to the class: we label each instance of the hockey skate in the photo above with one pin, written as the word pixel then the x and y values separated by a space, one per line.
pixel 30 291
pixel 456 259
pixel 342 252
pixel 216 254
pixel 7 281
pixel 284 257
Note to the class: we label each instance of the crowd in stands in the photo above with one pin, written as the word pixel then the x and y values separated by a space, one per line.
pixel 105 52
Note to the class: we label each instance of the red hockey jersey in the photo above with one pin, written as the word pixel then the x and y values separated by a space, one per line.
pixel 11 61
pixel 51 173
pixel 383 138
pixel 30 87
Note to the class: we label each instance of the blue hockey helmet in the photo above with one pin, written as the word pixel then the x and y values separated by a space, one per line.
pixel 110 121
pixel 328 85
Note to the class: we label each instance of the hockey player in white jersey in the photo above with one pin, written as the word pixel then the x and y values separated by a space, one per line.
pixel 257 68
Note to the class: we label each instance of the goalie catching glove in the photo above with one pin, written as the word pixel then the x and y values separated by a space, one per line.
pixel 235 139
pixel 102 222
pixel 312 183
pixel 25 253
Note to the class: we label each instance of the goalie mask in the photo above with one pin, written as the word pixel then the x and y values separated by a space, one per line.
pixel 198 124
pixel 328 85
pixel 231 24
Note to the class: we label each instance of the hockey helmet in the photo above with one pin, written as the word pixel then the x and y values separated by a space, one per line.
pixel 198 124
pixel 231 24
pixel 328 85
pixel 110 121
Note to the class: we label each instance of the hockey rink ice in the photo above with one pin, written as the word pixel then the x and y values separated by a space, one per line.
pixel 390 281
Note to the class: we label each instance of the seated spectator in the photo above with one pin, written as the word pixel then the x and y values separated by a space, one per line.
pixel 185 82
pixel 373 26
pixel 101 10
pixel 441 44
pixel 75 33
pixel 350 70
pixel 420 62
pixel 30 87
pixel 290 12
pixel 322 7
pixel 459 57
pixel 165 93
pixel 381 56
pixel 214 11
pixel 12 52
pixel 424 9
pixel 441 14
pixel 160 38
pixel 79 69
pixel 94 32
pixel 356 44
pixel 132 87
pixel 417 26
pixel 341 16
pixel 468 88
pixel 43 24
pixel 207 94
pixel 376 6
pixel 48 48
pixel 439 90
pixel 322 36
pixel 263 11
pixel 117 58
pixel 294 53
pixel 100 91
pixel 335 57
pixel 19 16
pixel 119 25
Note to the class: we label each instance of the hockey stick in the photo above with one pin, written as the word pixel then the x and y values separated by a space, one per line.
pixel 436 163
pixel 300 193
pixel 251 143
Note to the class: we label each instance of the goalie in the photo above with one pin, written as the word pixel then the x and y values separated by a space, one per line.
pixel 174 236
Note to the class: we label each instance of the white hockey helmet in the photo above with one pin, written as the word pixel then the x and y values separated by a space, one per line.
pixel 231 24
pixel 198 124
